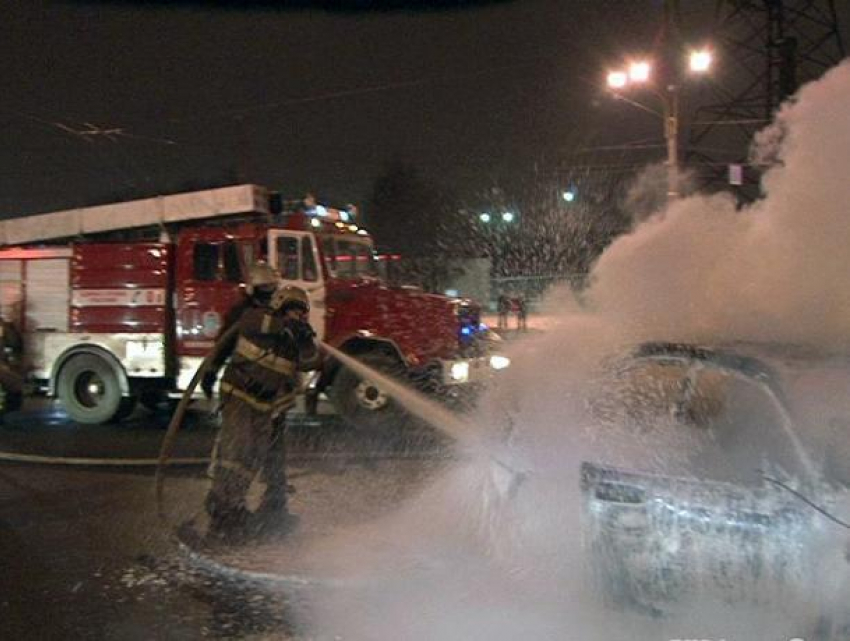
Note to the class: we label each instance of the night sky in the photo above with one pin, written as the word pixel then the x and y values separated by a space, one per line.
pixel 304 99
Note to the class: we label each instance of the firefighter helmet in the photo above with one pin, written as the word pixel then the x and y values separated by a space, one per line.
pixel 288 297
pixel 262 276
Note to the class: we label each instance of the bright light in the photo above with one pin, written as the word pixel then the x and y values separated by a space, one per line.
pixel 499 362
pixel 460 371
pixel 569 196
pixel 639 71
pixel 700 60
pixel 316 222
pixel 362 232
pixel 321 210
pixel 343 215
pixel 618 79
pixel 352 228
pixel 485 218
pixel 508 217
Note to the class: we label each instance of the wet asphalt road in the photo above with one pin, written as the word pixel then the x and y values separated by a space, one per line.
pixel 84 555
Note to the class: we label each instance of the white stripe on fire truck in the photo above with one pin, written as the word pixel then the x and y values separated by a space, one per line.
pixel 118 298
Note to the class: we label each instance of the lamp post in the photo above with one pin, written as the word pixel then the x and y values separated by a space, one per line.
pixel 671 136
pixel 640 73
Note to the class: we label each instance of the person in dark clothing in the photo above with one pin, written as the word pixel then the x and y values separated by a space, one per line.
pixel 11 374
pixel 521 313
pixel 273 341
pixel 503 307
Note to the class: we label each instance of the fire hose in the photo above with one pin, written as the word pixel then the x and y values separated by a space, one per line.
pixel 177 418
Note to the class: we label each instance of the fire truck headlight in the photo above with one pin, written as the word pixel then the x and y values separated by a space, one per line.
pixel 499 362
pixel 460 372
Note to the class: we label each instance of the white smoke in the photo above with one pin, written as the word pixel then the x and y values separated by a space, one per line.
pixel 466 560
pixel 647 195
pixel 774 271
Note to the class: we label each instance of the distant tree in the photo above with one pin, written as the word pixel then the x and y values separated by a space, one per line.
pixel 410 214
pixel 547 236
pixel 419 219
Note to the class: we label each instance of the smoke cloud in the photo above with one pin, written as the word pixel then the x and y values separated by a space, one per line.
pixel 475 556
pixel 776 270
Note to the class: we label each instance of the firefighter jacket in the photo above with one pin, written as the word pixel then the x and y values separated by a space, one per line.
pixel 264 359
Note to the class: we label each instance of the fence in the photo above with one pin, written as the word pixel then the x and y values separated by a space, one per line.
pixel 532 288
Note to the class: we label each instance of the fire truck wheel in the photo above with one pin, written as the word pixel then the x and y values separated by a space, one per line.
pixel 89 390
pixel 361 403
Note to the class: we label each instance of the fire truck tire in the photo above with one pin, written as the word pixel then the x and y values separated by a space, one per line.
pixel 89 389
pixel 362 405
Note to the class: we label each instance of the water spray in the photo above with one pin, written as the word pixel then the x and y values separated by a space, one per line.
pixel 506 478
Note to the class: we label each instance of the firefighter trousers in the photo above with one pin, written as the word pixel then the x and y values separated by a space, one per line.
pixel 250 442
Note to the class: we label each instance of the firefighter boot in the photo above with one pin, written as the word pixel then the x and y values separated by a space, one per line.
pixel 228 525
pixel 272 515
pixel 273 518
pixel 225 504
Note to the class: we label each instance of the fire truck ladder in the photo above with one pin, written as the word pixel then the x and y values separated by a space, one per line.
pixel 149 212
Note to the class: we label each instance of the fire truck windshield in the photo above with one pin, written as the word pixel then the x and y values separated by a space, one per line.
pixel 350 257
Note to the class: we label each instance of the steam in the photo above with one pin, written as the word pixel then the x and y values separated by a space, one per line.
pixel 648 194
pixel 467 559
pixel 776 270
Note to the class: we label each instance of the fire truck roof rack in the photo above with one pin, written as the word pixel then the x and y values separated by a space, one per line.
pixel 158 211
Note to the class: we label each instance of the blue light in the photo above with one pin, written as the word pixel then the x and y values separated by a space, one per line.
pixel 482 327
pixel 466 330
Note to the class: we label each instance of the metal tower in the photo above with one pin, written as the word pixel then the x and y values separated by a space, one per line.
pixel 765 50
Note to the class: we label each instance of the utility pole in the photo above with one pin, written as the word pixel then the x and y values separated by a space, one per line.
pixel 766 49
pixel 671 51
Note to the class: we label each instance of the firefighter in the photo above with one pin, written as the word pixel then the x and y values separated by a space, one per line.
pixel 11 380
pixel 273 340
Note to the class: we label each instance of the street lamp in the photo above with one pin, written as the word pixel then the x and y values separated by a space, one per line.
pixel 639 72
pixel 700 60
pixel 508 217
pixel 485 217
pixel 618 79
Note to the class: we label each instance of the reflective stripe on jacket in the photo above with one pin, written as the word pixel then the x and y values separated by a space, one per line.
pixel 263 366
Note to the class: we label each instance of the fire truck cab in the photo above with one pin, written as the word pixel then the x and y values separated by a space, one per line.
pixel 118 304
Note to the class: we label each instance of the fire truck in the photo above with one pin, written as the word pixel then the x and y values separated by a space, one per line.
pixel 118 304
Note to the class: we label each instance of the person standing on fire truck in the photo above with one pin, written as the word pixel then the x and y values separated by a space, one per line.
pixel 273 341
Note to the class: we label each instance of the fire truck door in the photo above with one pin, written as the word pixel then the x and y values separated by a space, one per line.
pixel 209 283
pixel 295 254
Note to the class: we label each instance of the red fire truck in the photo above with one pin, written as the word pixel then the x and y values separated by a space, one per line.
pixel 119 303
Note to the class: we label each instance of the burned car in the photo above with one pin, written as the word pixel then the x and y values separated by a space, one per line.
pixel 742 514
